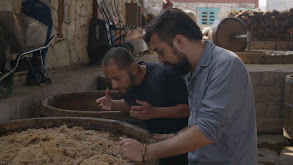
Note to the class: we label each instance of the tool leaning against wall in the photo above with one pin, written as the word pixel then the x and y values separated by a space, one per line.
pixel 106 32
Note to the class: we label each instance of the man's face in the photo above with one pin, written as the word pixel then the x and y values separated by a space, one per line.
pixel 121 80
pixel 170 56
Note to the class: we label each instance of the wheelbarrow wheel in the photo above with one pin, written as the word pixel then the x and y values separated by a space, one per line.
pixel 6 87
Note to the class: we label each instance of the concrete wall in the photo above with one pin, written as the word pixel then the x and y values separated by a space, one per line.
pixel 279 5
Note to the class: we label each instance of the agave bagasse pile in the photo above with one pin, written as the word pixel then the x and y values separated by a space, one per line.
pixel 267 26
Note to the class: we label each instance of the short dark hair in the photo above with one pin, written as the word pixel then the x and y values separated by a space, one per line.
pixel 121 56
pixel 170 23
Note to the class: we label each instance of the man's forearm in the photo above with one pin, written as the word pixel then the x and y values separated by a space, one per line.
pixel 178 111
pixel 60 14
pixel 189 140
pixel 184 129
pixel 120 105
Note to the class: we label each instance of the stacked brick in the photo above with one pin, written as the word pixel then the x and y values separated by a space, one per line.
pixel 267 26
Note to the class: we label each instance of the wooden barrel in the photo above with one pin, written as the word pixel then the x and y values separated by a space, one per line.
pixel 109 125
pixel 223 33
pixel 83 104
pixel 288 116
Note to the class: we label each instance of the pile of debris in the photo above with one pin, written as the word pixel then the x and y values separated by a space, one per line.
pixel 267 26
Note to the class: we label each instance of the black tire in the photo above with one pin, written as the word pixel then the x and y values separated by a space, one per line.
pixel 6 87
pixel 130 46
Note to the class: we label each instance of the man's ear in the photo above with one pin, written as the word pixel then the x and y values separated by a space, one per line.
pixel 133 68
pixel 179 42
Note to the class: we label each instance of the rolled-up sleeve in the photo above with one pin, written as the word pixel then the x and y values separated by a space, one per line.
pixel 224 91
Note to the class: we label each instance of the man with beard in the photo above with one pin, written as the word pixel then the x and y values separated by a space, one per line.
pixel 151 91
pixel 222 124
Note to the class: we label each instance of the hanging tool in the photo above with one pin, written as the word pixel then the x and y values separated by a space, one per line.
pixel 107 24
pixel 114 29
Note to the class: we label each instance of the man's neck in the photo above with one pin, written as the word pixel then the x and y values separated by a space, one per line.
pixel 194 51
pixel 141 71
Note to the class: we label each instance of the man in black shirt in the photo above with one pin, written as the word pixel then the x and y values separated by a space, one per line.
pixel 151 92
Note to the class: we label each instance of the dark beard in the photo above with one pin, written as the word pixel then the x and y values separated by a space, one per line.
pixel 183 67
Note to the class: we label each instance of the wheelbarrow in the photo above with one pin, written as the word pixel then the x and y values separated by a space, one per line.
pixel 21 35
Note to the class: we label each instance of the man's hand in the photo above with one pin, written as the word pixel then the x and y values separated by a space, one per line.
pixel 161 137
pixel 105 102
pixel 60 34
pixel 130 149
pixel 143 111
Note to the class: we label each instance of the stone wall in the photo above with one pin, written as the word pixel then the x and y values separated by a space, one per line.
pixel 5 5
pixel 269 92
pixel 266 57
pixel 271 45
pixel 71 49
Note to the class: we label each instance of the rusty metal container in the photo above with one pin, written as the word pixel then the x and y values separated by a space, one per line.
pixel 112 126
pixel 288 116
pixel 83 104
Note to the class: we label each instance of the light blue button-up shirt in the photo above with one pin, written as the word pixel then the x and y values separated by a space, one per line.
pixel 222 106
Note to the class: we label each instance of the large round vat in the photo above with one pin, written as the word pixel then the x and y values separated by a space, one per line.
pixel 288 116
pixel 83 104
pixel 108 125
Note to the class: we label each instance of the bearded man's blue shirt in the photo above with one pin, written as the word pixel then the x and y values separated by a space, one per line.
pixel 222 106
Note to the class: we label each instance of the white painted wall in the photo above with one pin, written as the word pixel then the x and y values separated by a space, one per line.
pixel 279 5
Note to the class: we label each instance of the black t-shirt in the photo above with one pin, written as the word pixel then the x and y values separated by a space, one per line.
pixel 160 88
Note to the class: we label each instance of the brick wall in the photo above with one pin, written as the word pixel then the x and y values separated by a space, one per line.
pixel 269 92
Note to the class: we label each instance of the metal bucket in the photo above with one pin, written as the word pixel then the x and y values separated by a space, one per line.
pixel 26 32
pixel 288 116
pixel 112 126
pixel 83 104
